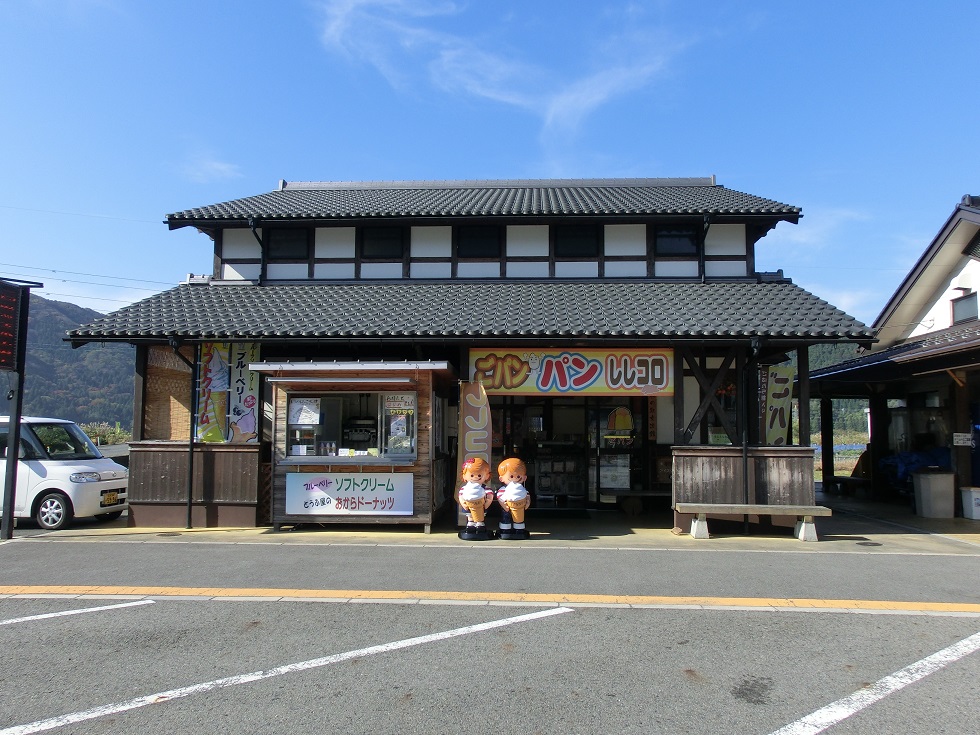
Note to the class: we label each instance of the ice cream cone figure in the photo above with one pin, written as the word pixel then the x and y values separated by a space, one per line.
pixel 474 497
pixel 513 498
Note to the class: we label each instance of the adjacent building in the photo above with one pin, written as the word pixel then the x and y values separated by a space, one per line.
pixel 922 377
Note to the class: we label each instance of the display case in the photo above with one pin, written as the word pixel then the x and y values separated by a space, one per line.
pixel 344 425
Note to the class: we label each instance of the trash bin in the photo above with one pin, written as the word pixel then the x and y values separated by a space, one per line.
pixel 971 502
pixel 934 492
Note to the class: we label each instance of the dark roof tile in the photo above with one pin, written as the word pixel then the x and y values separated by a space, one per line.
pixel 414 199
pixel 480 310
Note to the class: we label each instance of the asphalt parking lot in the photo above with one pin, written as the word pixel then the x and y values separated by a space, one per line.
pixel 873 629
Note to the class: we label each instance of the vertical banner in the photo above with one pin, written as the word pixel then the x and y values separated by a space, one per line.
pixel 212 392
pixel 778 407
pixel 474 422
pixel 243 395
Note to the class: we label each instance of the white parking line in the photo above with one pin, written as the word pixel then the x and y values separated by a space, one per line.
pixel 11 621
pixel 835 712
pixel 111 709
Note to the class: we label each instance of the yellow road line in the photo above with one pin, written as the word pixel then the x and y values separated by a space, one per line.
pixel 516 597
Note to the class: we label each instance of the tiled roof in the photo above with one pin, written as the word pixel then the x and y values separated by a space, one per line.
pixel 480 310
pixel 945 343
pixel 519 198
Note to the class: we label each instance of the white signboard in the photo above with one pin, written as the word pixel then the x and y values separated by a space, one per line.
pixel 962 440
pixel 350 493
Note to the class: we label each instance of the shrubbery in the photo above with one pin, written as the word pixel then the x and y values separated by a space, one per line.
pixel 101 432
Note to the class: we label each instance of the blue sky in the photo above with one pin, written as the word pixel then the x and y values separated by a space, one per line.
pixel 118 112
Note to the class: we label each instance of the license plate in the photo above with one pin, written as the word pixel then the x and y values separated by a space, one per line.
pixel 110 498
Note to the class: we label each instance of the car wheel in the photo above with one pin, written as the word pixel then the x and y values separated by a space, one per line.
pixel 106 517
pixel 53 512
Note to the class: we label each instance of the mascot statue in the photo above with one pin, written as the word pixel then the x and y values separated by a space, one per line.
pixel 513 498
pixel 474 497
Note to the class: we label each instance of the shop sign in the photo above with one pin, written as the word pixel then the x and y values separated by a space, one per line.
pixel 349 493
pixel 474 422
pixel 778 391
pixel 227 393
pixel 212 392
pixel 243 394
pixel 11 340
pixel 574 372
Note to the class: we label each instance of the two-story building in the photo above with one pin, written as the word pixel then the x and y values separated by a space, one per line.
pixel 356 340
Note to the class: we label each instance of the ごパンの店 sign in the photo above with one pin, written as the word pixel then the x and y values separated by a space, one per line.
pixel 574 372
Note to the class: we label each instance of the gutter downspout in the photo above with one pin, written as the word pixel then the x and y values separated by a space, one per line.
pixel 175 345
pixel 704 236
pixel 253 225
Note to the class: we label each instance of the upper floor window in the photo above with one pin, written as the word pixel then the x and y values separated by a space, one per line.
pixel 676 241
pixel 287 243
pixel 965 308
pixel 577 241
pixel 383 243
pixel 479 242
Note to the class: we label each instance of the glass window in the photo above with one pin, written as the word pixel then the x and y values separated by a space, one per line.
pixel 383 243
pixel 479 241
pixel 577 241
pixel 62 441
pixel 287 244
pixel 352 425
pixel 676 241
pixel 965 308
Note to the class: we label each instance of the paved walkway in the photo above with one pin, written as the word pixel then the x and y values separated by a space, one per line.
pixel 856 526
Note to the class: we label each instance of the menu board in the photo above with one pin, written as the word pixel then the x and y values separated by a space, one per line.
pixel 304 411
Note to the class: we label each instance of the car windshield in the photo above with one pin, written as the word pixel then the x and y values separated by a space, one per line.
pixel 63 441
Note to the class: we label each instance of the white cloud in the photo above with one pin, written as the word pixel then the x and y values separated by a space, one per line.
pixel 399 38
pixel 818 227
pixel 205 169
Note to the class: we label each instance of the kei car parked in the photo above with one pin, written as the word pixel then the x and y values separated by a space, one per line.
pixel 62 475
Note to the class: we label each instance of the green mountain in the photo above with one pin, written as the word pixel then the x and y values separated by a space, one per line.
pixel 93 383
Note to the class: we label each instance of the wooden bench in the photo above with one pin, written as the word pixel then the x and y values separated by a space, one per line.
pixel 805 528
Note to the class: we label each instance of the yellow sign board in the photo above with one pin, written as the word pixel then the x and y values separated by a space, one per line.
pixel 574 372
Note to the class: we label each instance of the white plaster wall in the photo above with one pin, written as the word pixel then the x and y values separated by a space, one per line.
pixel 478 270
pixel 333 270
pixel 432 242
pixel 527 270
pixel 432 270
pixel 240 271
pixel 724 268
pixel 676 268
pixel 577 270
pixel 626 240
pixel 334 242
pixel 626 269
pixel 286 271
pixel 725 240
pixel 237 242
pixel 381 270
pixel 527 240
pixel 939 315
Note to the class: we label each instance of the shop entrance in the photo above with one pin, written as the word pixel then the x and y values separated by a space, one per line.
pixel 580 452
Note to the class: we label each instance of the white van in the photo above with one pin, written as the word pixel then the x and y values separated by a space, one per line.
pixel 61 474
